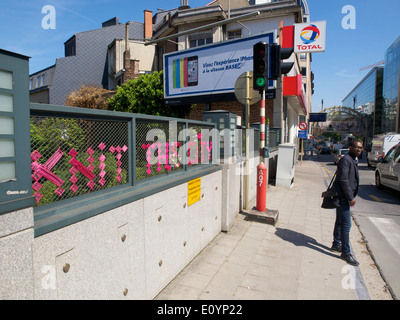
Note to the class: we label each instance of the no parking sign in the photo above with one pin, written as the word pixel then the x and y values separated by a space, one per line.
pixel 303 126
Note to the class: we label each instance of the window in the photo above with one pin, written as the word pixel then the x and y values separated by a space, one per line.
pixel 234 34
pixel 70 47
pixel 200 39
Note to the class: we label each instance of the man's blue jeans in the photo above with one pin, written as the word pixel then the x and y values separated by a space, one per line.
pixel 341 233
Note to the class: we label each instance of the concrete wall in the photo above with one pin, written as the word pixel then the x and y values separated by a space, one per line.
pixel 130 252
pixel 16 240
pixel 233 189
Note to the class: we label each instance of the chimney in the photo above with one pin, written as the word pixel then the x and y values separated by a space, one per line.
pixel 184 5
pixel 127 53
pixel 148 24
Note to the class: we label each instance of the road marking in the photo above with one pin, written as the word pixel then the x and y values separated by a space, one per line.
pixel 390 230
pixel 375 198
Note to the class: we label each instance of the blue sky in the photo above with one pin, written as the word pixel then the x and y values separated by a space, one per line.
pixel 336 70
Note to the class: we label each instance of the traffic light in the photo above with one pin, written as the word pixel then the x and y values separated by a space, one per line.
pixel 260 66
pixel 278 67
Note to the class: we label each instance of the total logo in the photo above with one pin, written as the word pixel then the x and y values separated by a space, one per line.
pixel 310 37
pixel 310 34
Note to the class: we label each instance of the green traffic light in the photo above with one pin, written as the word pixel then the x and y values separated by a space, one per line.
pixel 260 82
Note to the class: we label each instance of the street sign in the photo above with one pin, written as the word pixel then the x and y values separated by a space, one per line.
pixel 244 95
pixel 302 134
pixel 318 117
pixel 310 37
pixel 303 126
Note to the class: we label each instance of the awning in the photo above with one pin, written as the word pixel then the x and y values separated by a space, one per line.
pixel 293 91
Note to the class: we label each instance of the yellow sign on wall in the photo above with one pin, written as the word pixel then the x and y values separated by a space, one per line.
pixel 194 191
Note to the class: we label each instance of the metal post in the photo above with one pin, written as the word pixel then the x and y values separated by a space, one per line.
pixel 247 124
pixel 261 204
pixel 262 126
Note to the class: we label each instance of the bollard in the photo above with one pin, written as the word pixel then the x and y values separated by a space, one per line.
pixel 261 204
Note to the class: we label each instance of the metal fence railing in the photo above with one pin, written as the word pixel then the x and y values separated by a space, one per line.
pixel 72 157
pixel 75 152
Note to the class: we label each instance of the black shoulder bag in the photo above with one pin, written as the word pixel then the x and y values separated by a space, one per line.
pixel 330 197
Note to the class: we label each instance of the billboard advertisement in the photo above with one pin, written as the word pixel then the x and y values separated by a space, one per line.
pixel 340 126
pixel 210 70
pixel 310 37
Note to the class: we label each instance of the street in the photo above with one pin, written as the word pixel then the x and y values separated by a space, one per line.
pixel 377 214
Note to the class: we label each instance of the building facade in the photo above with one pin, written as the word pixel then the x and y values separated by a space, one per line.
pixel 95 57
pixel 391 89
pixel 101 57
pixel 377 94
pixel 190 27
pixel 366 98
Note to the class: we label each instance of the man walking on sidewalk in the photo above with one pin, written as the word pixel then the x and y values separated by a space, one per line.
pixel 346 185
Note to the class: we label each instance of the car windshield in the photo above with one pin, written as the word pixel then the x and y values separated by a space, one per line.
pixel 344 151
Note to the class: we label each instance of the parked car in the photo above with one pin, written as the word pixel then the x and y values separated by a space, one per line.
pixel 339 154
pixel 381 144
pixel 387 171
pixel 336 147
pixel 325 150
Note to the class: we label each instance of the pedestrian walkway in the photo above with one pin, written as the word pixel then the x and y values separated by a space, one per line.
pixel 291 260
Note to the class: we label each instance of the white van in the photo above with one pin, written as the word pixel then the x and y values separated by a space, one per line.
pixel 381 144
pixel 387 172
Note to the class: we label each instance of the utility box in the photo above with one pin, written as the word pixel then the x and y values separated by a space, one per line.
pixel 226 124
pixel 286 165
pixel 15 169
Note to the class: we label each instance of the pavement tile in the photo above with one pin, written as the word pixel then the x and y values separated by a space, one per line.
pixel 214 292
pixel 257 261
pixel 253 282
pixel 243 293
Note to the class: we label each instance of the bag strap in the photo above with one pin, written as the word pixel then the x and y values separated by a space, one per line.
pixel 333 178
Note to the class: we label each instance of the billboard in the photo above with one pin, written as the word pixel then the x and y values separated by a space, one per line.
pixel 210 70
pixel 310 37
pixel 340 126
pixel 318 117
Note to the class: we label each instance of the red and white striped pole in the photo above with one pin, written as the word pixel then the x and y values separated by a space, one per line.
pixel 261 204
pixel 262 126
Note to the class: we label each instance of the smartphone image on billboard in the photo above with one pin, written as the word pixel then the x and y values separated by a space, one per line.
pixel 185 72
pixel 192 71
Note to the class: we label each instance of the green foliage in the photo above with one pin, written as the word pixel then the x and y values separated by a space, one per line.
pixel 144 95
pixel 49 134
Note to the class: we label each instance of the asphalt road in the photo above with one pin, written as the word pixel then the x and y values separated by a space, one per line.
pixel 377 214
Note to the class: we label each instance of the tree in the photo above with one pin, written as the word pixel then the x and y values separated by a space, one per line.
pixel 144 95
pixel 89 97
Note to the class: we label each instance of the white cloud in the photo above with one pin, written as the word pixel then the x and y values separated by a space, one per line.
pixel 345 74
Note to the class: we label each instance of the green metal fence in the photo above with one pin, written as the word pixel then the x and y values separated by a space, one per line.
pixel 76 152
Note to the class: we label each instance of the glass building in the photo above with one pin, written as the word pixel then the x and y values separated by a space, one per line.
pixel 366 98
pixel 390 112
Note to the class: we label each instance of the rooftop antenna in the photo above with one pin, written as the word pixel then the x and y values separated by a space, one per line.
pixel 373 65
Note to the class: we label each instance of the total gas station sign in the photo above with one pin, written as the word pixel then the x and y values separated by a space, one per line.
pixel 310 37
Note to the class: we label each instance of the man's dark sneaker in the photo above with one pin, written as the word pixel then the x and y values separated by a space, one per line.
pixel 336 249
pixel 348 257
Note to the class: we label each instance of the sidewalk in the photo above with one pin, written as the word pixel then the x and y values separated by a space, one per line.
pixel 289 261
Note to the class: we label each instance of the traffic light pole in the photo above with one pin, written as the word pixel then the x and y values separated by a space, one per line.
pixel 261 204
pixel 262 126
